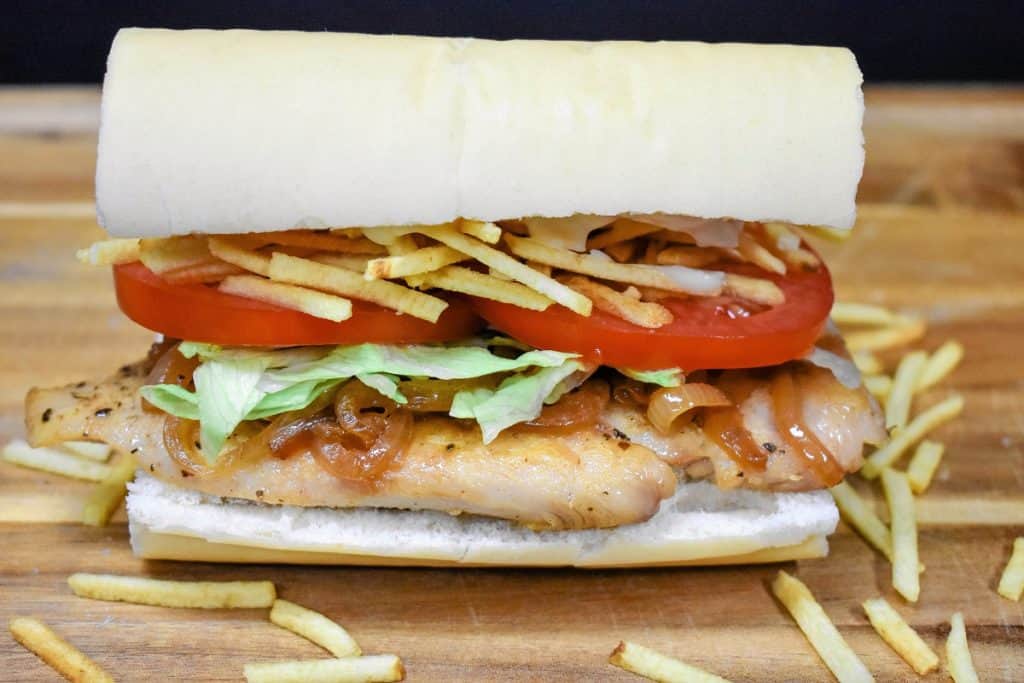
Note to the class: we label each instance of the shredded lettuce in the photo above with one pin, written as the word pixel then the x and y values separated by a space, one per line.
pixel 669 377
pixel 233 385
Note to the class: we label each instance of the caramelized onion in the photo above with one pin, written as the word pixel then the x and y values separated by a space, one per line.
pixel 630 392
pixel 436 395
pixel 181 439
pixel 671 408
pixel 170 367
pixel 577 409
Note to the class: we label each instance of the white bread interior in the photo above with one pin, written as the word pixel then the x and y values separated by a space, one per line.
pixel 238 131
pixel 700 524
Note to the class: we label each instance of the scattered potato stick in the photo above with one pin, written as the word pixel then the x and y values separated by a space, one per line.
pixel 233 251
pixel 485 232
pixel 315 628
pixel 642 313
pixel 54 461
pixel 958 656
pixel 868 363
pixel 753 289
pixel 59 654
pixel 940 364
pixel 503 263
pixel 110 252
pixel 923 465
pixel 458 279
pixel 170 253
pixel 651 664
pixel 382 668
pixel 193 594
pixel 606 269
pixel 321 241
pixel 819 629
pixel 861 517
pixel 299 271
pixel 903 518
pixel 879 385
pixel 900 636
pixel 1011 583
pixel 886 337
pixel 751 250
pixel 353 262
pixel 691 257
pixel 307 301
pixel 850 313
pixel 621 230
pixel 100 452
pixel 109 493
pixel 920 426
pixel 897 406
pixel 424 260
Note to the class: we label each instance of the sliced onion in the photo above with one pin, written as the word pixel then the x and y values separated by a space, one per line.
pixel 692 280
pixel 575 410
pixel 670 408
pixel 707 232
pixel 843 369
pixel 436 395
pixel 567 233
pixel 181 440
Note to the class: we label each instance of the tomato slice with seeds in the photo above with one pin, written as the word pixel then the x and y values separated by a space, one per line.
pixel 202 313
pixel 707 332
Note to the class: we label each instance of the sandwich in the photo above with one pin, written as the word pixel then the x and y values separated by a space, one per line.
pixel 430 301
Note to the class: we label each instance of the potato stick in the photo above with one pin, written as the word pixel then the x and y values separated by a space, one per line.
pixel 819 629
pixel 307 301
pixel 321 241
pixel 371 669
pixel 315 628
pixel 674 237
pixel 54 461
pixel 620 231
pixel 850 313
pixel 751 250
pixel 753 289
pixel 691 257
pixel 59 654
pixel 958 655
pixel 621 251
pixel 213 270
pixel 781 237
pixel 885 337
pixel 458 279
pixel 923 465
pixel 232 251
pixel 645 314
pixel 897 406
pixel 868 363
pixel 830 234
pixel 386 235
pixel 100 452
pixel 940 364
pixel 900 636
pixel 920 426
pixel 424 260
pixel 403 245
pixel 502 262
pixel 485 232
pixel 354 262
pixel 351 233
pixel 298 271
pixel 170 253
pixel 651 664
pixel 606 269
pixel 1011 583
pixel 861 517
pixel 193 594
pixel 879 385
pixel 800 258
pixel 903 518
pixel 109 493
pixel 110 252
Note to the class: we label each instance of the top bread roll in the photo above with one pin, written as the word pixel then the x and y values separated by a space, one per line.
pixel 248 131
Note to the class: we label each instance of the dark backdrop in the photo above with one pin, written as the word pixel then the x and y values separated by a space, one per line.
pixel 45 41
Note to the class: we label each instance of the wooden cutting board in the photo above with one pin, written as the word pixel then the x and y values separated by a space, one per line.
pixel 941 232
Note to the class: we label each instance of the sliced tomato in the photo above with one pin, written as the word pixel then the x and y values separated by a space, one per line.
pixel 707 333
pixel 202 313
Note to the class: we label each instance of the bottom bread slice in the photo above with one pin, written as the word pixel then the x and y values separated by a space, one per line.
pixel 699 525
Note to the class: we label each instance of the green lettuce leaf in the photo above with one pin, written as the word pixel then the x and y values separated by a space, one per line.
pixel 227 390
pixel 669 377
pixel 171 398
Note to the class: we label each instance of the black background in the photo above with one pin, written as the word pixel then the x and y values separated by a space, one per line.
pixel 66 42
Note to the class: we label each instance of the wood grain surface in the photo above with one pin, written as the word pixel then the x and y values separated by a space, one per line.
pixel 941 233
